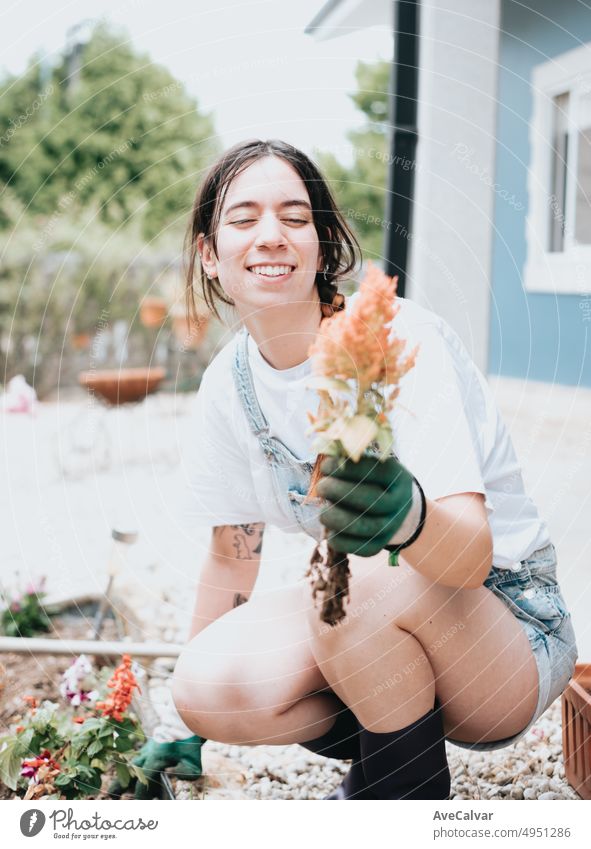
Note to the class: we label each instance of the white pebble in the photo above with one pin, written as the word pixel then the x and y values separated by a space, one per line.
pixel 530 793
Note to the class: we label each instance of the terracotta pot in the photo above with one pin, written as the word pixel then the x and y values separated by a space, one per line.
pixel 122 386
pixel 576 730
pixel 81 341
pixel 189 333
pixel 153 312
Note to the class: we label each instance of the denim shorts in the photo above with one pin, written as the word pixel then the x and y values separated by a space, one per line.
pixel 533 595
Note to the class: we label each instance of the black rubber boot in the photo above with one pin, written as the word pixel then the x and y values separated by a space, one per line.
pixel 410 763
pixel 342 740
pixel 354 785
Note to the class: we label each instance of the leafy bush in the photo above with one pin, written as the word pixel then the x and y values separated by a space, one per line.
pixel 24 614
pixel 58 754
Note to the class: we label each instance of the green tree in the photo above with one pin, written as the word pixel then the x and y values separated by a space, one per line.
pixel 361 188
pixel 104 127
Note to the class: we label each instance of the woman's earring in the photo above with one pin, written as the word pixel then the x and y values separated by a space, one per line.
pixel 324 273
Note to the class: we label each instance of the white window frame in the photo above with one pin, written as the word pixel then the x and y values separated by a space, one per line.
pixel 567 271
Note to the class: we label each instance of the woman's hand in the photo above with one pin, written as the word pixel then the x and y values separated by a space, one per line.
pixel 370 501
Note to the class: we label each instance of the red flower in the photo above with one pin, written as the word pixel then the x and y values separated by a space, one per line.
pixel 122 683
pixel 30 766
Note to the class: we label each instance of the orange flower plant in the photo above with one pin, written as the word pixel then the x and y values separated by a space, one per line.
pixel 357 364
pixel 122 684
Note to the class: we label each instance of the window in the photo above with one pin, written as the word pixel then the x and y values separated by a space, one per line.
pixel 559 178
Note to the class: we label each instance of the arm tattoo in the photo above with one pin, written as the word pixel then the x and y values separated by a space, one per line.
pixel 246 540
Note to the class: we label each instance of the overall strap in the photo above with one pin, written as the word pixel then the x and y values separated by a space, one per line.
pixel 243 380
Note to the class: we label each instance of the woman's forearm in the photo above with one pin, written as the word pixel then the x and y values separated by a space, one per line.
pixel 222 586
pixel 455 546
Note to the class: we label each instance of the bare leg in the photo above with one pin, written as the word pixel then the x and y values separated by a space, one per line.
pixel 405 636
pixel 250 677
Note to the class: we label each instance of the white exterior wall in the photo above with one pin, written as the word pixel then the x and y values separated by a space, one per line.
pixel 452 229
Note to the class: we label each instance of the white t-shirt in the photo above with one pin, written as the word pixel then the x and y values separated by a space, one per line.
pixel 448 432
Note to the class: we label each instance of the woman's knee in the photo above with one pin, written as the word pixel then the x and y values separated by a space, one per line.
pixel 216 700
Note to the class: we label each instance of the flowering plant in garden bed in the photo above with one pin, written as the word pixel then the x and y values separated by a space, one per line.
pixel 62 753
pixel 24 614
pixel 357 364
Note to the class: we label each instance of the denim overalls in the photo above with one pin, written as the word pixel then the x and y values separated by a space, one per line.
pixel 291 477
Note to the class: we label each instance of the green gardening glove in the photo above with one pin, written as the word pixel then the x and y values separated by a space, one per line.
pixel 370 501
pixel 154 758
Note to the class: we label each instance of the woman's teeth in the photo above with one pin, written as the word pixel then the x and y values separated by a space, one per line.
pixel 271 270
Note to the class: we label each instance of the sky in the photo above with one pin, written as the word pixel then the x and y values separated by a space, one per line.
pixel 247 61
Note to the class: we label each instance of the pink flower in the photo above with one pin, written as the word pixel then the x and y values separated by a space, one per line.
pixel 30 766
pixel 77 684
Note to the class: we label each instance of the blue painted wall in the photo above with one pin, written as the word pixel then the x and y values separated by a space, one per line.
pixel 536 336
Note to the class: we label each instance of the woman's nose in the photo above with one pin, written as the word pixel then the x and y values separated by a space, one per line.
pixel 269 231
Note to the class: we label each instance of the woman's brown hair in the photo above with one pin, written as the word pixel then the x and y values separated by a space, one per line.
pixel 339 247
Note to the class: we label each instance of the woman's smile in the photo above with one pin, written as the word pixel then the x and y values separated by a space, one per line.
pixel 272 273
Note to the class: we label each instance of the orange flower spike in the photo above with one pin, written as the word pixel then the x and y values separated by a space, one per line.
pixel 357 344
pixel 122 683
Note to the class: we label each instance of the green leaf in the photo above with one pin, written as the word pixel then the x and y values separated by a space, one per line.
pixel 10 764
pixel 98 764
pixel 95 747
pixel 123 774
pixel 355 435
pixel 123 743
pixel 138 772
pixel 95 781
pixel 385 440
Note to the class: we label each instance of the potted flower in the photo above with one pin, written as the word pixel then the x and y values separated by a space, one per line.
pixel 189 331
pixel 153 311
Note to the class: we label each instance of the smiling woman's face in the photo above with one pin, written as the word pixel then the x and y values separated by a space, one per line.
pixel 268 250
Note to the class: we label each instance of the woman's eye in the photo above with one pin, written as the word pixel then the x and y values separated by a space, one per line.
pixel 285 220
